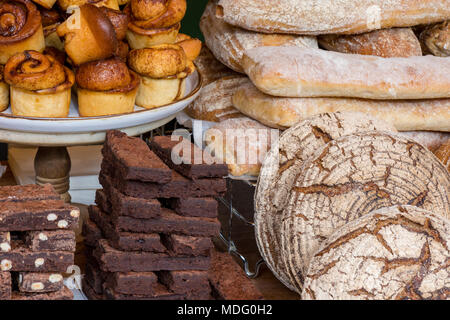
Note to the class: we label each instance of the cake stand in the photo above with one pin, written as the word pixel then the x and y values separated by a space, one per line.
pixel 53 136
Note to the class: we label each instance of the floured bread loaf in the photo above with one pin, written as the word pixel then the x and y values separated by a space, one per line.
pixel 280 169
pixel 350 177
pixel 405 115
pixel 331 16
pixel 214 102
pixel 395 42
pixel 436 39
pixel 398 253
pixel 430 139
pixel 228 43
pixel 306 72
pixel 240 143
pixel 443 154
pixel 210 68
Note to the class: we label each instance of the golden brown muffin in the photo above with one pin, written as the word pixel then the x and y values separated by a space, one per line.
pixel 443 154
pixel 163 70
pixel 119 20
pixel 106 87
pixel 191 47
pixel 40 85
pixel 160 17
pixel 20 28
pixel 65 4
pixel 45 3
pixel 89 35
pixel 4 91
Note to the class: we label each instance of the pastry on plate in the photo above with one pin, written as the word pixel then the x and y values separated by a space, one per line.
pixel 20 28
pixel 40 85
pixel 106 87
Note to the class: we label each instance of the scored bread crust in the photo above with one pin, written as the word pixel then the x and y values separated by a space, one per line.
pixel 214 102
pixel 229 43
pixel 306 72
pixel 436 39
pixel 398 253
pixel 405 115
pixel 279 169
pixel 210 68
pixel 331 16
pixel 350 177
pixel 395 42
pixel 443 154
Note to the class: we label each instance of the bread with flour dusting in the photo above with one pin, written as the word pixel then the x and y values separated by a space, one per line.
pixel 405 115
pixel 331 16
pixel 306 72
pixel 228 43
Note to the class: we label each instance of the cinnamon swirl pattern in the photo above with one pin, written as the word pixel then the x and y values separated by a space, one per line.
pixel 40 85
pixel 20 28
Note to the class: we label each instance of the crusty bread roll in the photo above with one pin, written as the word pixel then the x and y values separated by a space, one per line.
pixel 229 43
pixel 331 16
pixel 210 68
pixel 430 139
pixel 443 154
pixel 395 42
pixel 436 39
pixel 106 87
pixel 20 28
pixel 40 85
pixel 305 72
pixel 4 91
pixel 405 115
pixel 214 102
pixel 241 143
pixel 89 35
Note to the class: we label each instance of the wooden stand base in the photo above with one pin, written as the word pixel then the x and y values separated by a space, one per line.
pixel 52 165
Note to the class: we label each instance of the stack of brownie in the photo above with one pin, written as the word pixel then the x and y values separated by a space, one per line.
pixel 149 236
pixel 37 243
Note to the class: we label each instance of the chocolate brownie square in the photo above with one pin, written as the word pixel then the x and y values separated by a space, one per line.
pixel 228 279
pixel 63 294
pixel 194 207
pixel 125 241
pixel 118 204
pixel 5 241
pixel 188 246
pixel 168 222
pixel 178 187
pixel 89 292
pixel 32 282
pixel 133 159
pixel 59 240
pixel 186 158
pixel 112 260
pixel 37 215
pixel 193 284
pixel 133 283
pixel 5 285
pixel 20 258
pixel 161 293
pixel 29 192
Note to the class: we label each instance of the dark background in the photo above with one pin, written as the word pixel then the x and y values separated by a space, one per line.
pixel 189 26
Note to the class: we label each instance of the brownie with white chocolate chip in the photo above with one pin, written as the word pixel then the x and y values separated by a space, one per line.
pixel 33 282
pixel 58 240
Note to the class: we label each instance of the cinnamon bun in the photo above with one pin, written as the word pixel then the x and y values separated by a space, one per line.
pixel 20 28
pixel 163 70
pixel 157 14
pixel 4 91
pixel 65 4
pixel 40 85
pixel 89 35
pixel 119 20
pixel 106 87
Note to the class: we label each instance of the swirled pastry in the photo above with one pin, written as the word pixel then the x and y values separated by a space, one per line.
pixel 89 35
pixel 20 28
pixel 163 69
pixel 106 87
pixel 156 13
pixel 4 91
pixel 40 85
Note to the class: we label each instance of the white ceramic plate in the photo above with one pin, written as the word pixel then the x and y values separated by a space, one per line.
pixel 76 124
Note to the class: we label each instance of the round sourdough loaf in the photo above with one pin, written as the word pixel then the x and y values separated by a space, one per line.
pixel 400 252
pixel 281 166
pixel 350 177
pixel 443 154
